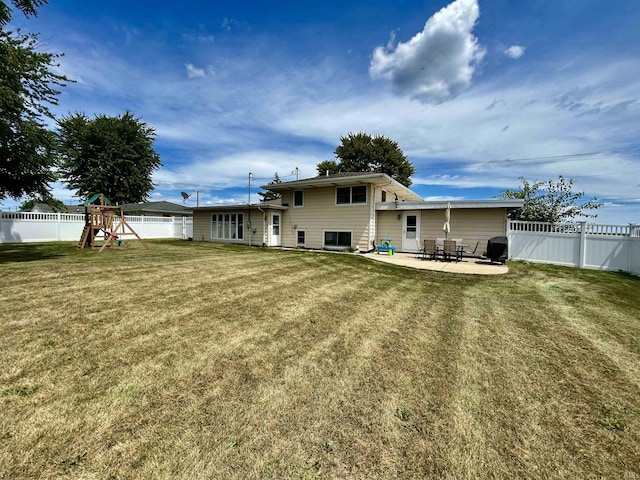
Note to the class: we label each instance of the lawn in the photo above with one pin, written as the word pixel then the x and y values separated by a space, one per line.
pixel 195 360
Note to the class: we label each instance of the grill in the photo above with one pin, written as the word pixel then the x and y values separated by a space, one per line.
pixel 498 249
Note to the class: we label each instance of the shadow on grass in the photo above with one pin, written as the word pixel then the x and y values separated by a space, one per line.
pixel 29 252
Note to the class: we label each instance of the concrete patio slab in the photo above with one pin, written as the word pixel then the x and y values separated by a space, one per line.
pixel 471 266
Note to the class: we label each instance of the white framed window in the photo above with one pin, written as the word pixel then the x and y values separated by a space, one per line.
pixel 227 226
pixel 337 239
pixel 301 238
pixel 298 198
pixel 351 195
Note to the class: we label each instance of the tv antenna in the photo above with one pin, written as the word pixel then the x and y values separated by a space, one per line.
pixel 185 196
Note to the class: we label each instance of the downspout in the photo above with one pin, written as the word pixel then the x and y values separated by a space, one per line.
pixel 264 226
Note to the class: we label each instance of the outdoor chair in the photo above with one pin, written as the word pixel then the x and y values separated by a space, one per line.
pixel 420 249
pixel 430 250
pixel 451 251
pixel 472 252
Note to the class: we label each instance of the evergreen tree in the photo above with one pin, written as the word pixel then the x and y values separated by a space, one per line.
pixel 270 195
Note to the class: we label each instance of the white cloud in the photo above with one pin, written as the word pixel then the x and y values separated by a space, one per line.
pixel 438 63
pixel 515 51
pixel 194 72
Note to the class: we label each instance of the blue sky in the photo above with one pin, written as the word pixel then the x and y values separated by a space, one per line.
pixel 477 93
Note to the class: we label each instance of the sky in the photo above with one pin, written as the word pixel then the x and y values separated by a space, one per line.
pixel 477 93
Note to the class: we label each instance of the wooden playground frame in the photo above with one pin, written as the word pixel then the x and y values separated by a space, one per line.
pixel 101 217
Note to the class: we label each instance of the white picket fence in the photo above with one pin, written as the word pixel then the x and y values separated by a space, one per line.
pixel 604 247
pixel 19 227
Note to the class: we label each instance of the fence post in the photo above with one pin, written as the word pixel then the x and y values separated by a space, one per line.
pixel 583 244
pixel 59 227
pixel 632 229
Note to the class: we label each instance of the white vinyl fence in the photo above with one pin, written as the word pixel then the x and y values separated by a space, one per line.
pixel 19 227
pixel 605 247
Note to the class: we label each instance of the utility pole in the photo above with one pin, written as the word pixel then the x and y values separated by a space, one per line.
pixel 197 198
pixel 296 172
pixel 250 176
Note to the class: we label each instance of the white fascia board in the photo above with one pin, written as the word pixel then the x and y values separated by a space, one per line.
pixel 425 205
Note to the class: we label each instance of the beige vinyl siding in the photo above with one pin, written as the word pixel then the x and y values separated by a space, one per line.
pixel 320 213
pixel 390 227
pixel 470 224
pixel 202 226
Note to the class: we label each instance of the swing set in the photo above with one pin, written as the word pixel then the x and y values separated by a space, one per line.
pixel 100 214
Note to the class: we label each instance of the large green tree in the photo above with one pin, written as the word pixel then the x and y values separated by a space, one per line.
pixel 110 155
pixel 27 87
pixel 549 201
pixel 360 152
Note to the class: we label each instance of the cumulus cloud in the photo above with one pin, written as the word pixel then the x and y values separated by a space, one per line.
pixel 194 72
pixel 515 51
pixel 438 63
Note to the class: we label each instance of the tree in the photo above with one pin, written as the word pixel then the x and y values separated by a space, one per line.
pixel 269 194
pixel 28 7
pixel 110 155
pixel 55 204
pixel 549 201
pixel 362 153
pixel 27 86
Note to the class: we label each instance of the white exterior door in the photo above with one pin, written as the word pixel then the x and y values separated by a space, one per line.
pixel 410 231
pixel 276 238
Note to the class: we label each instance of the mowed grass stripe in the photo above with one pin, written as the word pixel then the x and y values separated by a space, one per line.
pixel 212 361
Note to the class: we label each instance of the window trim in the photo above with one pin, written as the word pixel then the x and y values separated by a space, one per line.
pixel 351 202
pixel 236 236
pixel 303 244
pixel 337 232
pixel 294 199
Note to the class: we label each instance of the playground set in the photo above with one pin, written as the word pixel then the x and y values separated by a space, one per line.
pixel 100 214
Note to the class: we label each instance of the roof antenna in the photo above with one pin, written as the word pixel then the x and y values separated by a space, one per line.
pixel 185 196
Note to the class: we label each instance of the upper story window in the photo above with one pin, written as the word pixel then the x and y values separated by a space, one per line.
pixel 384 196
pixel 351 195
pixel 298 198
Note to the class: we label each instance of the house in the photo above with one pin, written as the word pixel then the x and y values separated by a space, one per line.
pixel 156 209
pixel 349 211
pixel 152 209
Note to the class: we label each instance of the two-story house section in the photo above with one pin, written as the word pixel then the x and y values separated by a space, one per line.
pixel 349 211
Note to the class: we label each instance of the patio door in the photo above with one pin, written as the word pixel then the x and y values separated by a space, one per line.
pixel 410 231
pixel 276 239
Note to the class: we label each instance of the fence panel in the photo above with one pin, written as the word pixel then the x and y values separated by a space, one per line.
pixel 559 249
pixel 605 247
pixel 19 227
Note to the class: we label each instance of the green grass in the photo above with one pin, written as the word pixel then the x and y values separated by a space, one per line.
pixel 195 360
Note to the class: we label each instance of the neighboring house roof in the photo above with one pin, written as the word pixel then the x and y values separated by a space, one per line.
pixel 344 179
pixel 43 208
pixel 156 208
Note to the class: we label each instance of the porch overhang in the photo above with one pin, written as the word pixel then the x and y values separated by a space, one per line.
pixel 425 205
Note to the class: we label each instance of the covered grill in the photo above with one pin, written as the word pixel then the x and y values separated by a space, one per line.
pixel 498 249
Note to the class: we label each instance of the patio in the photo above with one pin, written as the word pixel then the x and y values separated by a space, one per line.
pixel 468 265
